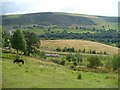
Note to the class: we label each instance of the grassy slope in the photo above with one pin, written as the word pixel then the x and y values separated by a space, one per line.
pixel 34 17
pixel 79 44
pixel 40 74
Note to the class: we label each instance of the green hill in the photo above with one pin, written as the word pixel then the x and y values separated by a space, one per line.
pixel 59 19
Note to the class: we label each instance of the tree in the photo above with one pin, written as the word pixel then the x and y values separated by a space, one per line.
pixel 83 50
pixel 6 39
pixel 18 41
pixel 32 41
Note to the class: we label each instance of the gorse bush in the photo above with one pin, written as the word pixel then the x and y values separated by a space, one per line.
pixel 94 61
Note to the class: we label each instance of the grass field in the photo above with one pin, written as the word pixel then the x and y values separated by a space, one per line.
pixel 79 44
pixel 43 74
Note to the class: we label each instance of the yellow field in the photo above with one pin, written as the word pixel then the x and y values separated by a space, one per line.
pixel 79 44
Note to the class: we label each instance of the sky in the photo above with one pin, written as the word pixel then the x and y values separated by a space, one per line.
pixel 90 7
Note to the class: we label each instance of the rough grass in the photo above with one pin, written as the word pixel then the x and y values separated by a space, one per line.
pixel 79 44
pixel 41 74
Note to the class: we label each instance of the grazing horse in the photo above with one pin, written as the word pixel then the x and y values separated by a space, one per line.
pixel 18 61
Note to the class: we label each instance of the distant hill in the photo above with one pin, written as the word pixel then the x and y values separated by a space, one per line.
pixel 58 19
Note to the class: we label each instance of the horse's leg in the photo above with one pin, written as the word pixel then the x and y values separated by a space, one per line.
pixel 22 62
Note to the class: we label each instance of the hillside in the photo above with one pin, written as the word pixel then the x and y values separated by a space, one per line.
pixel 36 73
pixel 58 19
pixel 79 44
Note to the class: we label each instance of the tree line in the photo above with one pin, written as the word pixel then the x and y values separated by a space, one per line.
pixel 104 36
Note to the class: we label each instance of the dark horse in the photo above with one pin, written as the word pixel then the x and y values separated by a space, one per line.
pixel 18 61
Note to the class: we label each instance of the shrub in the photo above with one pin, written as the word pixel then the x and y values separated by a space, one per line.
pixel 78 57
pixel 69 57
pixel 93 52
pixel 105 52
pixel 62 62
pixel 116 62
pixel 75 63
pixel 84 51
pixel 58 49
pixel 64 49
pixel 72 67
pixel 56 61
pixel 71 49
pixel 79 76
pixel 94 61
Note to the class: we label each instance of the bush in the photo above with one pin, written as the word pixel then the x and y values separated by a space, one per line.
pixel 94 61
pixel 75 63
pixel 116 62
pixel 105 52
pixel 84 51
pixel 78 57
pixel 93 52
pixel 58 49
pixel 79 76
pixel 64 49
pixel 70 57
pixel 62 62
pixel 71 49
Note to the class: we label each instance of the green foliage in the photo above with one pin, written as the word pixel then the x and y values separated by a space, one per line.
pixel 58 49
pixel 94 52
pixel 18 41
pixel 69 57
pixel 108 63
pixel 74 57
pixel 78 57
pixel 116 62
pixel 32 42
pixel 75 63
pixel 79 76
pixel 83 50
pixel 105 52
pixel 62 62
pixel 94 61
pixel 5 38
pixel 65 49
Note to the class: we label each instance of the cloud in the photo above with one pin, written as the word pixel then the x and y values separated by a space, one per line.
pixel 92 7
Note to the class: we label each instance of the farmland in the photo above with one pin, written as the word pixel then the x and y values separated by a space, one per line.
pixel 78 44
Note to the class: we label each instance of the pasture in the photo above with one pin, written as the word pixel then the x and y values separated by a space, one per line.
pixel 37 73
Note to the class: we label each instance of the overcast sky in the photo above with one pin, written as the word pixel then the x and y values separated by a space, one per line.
pixel 91 7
